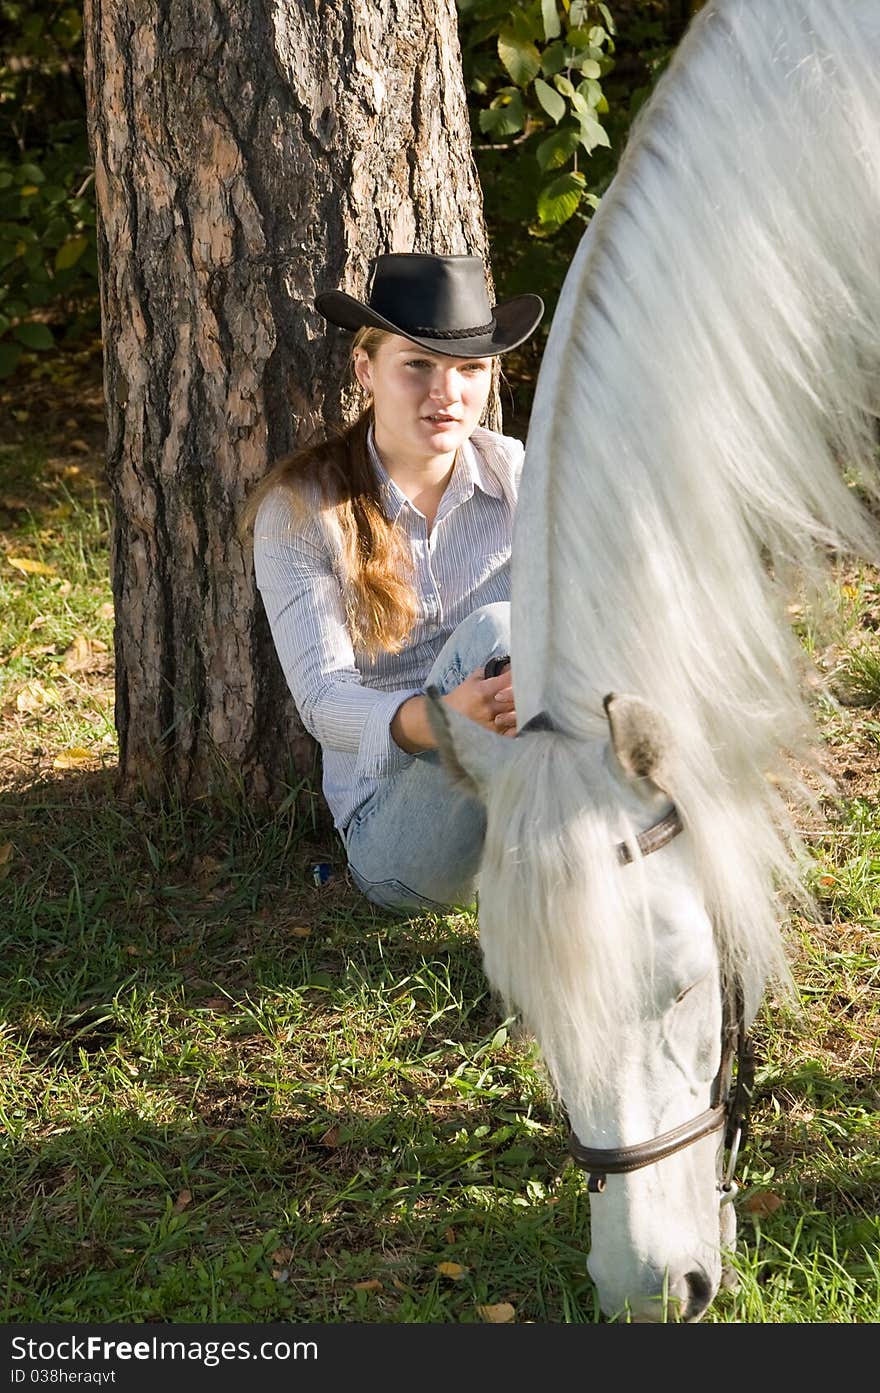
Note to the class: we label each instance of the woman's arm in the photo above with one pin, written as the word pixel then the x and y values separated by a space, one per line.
pixel 306 613
pixel 488 701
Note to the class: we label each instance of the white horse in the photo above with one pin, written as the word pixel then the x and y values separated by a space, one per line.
pixel 707 398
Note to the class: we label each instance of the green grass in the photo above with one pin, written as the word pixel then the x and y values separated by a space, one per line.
pixel 228 1095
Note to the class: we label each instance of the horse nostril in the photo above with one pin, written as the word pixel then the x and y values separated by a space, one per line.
pixel 699 1290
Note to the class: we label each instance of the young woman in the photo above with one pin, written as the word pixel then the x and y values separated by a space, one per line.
pixel 382 559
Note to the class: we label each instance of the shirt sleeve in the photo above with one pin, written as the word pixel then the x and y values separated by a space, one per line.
pixel 304 605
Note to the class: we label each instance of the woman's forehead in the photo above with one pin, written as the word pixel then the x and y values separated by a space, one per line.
pixel 397 345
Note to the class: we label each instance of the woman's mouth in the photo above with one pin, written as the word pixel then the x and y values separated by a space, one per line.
pixel 442 418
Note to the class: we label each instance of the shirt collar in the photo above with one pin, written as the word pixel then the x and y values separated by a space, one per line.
pixel 470 472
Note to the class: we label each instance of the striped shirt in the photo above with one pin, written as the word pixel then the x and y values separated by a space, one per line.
pixel 347 699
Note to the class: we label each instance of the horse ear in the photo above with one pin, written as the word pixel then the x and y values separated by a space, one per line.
pixel 469 753
pixel 640 737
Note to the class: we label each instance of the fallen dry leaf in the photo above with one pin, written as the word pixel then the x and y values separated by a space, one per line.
pixel 372 1284
pixel 5 859
pixel 107 611
pixel 36 623
pixel 31 568
pixel 301 931
pixel 761 1203
pixel 217 1003
pixel 282 1256
pixel 34 697
pixel 500 1313
pixel 83 654
pixel 183 1199
pixel 449 1235
pixel 330 1137
pixel 453 1270
pixel 72 759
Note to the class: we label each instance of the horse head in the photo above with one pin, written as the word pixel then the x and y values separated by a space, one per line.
pixel 593 926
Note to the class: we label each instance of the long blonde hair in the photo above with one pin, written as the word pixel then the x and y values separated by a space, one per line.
pixel 374 557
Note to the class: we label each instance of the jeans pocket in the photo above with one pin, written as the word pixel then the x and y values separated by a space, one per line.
pixel 393 894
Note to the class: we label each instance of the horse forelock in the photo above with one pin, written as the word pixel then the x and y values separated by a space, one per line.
pixel 566 931
pixel 562 930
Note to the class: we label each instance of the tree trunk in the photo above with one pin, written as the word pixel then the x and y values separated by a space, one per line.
pixel 247 156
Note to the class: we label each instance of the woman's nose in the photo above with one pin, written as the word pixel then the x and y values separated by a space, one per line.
pixel 445 386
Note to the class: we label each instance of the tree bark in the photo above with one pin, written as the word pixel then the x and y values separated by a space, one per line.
pixel 248 154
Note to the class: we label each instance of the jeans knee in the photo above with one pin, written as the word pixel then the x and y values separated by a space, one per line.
pixel 485 632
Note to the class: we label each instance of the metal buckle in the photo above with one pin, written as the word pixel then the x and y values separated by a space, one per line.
pixel 728 1187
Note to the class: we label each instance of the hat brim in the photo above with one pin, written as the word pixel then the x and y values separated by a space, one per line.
pixel 515 320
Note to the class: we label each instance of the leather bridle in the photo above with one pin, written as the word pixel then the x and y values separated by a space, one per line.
pixel 731 1087
pixel 731 1097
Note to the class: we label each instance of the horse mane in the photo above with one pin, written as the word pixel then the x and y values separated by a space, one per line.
pixel 705 428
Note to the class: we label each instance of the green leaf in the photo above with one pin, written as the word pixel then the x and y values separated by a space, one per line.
pixel 558 200
pixel 558 148
pixel 30 174
pixel 550 16
pixel 607 16
pixel 35 336
pixel 563 85
pixel 523 24
pixel 553 104
pixel 553 60
pixel 578 38
pixel 592 134
pixel 56 231
pixel 521 59
pixel 9 356
pixel 590 68
pixel 592 92
pixel 70 252
pixel 505 117
pixel 68 27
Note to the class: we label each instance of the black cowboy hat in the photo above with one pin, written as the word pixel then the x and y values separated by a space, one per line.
pixel 439 302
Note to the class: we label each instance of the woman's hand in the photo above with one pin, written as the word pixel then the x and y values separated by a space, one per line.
pixel 486 700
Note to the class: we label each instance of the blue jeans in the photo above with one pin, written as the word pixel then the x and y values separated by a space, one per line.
pixel 417 841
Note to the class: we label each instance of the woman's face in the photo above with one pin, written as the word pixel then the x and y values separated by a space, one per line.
pixel 425 404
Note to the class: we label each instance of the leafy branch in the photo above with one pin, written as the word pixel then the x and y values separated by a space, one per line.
pixel 536 70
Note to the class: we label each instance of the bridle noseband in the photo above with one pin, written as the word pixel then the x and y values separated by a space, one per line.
pixel 731 1097
pixel 731 1087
